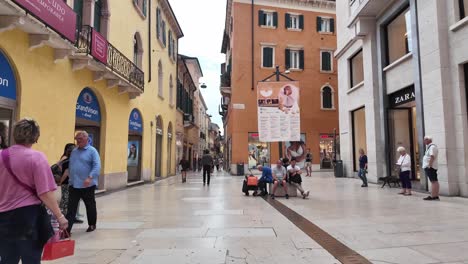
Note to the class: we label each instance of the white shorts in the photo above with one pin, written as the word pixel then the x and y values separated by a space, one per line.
pixel 308 164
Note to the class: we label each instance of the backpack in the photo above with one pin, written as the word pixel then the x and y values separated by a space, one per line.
pixel 57 171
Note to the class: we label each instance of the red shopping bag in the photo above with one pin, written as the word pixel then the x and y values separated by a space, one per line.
pixel 58 249
pixel 252 181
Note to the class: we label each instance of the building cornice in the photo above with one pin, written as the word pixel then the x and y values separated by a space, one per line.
pixel 171 17
pixel 321 6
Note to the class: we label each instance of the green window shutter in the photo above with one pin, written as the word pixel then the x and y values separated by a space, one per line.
pixel 158 21
pixel 326 61
pixel 164 33
pixel 319 24
pixel 267 57
pixel 275 19
pixel 287 20
pixel 260 18
pixel 327 101
pixel 301 59
pixel 332 25
pixel 287 56
pixel 301 21
pixel 145 7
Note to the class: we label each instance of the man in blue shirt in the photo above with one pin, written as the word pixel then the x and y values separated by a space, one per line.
pixel 84 168
pixel 267 177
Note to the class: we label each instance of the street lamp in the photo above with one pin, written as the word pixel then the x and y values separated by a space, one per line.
pixel 203 86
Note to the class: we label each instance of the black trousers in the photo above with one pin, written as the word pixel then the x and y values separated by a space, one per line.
pixel 206 172
pixel 29 251
pixel 89 199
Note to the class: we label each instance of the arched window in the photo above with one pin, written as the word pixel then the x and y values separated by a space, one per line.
pixel 160 79
pixel 327 98
pixel 171 91
pixel 137 50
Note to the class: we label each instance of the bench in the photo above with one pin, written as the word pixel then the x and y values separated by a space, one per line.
pixel 292 190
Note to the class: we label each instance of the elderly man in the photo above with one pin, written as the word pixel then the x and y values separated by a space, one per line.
pixel 279 178
pixel 266 178
pixel 430 166
pixel 84 168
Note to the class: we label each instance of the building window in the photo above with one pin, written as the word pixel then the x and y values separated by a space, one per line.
pixel 294 59
pixel 325 24
pixel 171 91
pixel 141 6
pixel 170 49
pixel 463 5
pixel 399 36
pixel 359 134
pixel 97 15
pixel 160 27
pixel 267 18
pixel 160 79
pixel 326 61
pixel 327 98
pixel 137 50
pixel 294 21
pixel 356 69
pixel 268 57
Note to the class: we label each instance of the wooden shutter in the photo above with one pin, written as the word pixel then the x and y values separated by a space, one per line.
pixel 287 20
pixel 332 25
pixel 287 56
pixel 260 18
pixel 158 23
pixel 301 59
pixel 319 24
pixel 164 32
pixel 145 7
pixel 301 21
pixel 275 19
pixel 327 101
pixel 267 57
pixel 326 61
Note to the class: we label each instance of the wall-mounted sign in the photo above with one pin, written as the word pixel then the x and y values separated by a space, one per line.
pixel 132 153
pixel 99 47
pixel 56 14
pixel 402 96
pixel 7 79
pixel 135 123
pixel 87 106
pixel 278 111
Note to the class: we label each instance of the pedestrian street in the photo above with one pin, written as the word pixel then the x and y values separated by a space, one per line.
pixel 171 222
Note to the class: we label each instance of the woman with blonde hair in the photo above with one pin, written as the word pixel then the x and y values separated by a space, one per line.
pixel 404 168
pixel 27 182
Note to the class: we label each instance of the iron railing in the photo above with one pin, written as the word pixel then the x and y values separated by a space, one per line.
pixel 225 79
pixel 116 61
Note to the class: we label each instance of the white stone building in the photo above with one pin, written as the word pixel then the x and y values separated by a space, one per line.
pixel 403 73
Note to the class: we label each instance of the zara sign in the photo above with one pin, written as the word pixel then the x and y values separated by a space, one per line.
pixel 402 96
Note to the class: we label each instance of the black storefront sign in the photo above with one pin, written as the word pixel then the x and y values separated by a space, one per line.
pixel 402 96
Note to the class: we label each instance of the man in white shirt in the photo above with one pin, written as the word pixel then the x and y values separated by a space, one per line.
pixel 279 178
pixel 295 177
pixel 430 166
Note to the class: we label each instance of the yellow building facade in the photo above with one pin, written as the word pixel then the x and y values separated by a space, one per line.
pixel 115 79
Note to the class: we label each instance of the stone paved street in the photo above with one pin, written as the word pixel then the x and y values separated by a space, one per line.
pixel 171 222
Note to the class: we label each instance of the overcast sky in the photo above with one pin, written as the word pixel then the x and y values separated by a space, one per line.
pixel 202 22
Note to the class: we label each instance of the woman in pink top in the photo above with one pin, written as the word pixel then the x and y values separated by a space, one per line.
pixel 27 182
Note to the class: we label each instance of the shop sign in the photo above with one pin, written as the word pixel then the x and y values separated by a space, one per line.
pixel 7 79
pixel 55 13
pixel 135 123
pixel 278 111
pixel 402 97
pixel 87 106
pixel 326 136
pixel 99 47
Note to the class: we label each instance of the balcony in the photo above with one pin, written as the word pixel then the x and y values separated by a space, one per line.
pixel 44 28
pixel 95 53
pixel 225 83
pixel 189 121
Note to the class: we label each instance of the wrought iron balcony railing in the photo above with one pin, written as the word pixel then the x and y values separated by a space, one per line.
pixel 92 43
pixel 226 79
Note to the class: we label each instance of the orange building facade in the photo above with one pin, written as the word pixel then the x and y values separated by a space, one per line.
pixel 300 38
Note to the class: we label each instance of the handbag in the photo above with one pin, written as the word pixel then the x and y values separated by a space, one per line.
pixel 64 247
pixel 44 226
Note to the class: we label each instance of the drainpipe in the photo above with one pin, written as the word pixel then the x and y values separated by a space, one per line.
pixel 150 51
pixel 253 46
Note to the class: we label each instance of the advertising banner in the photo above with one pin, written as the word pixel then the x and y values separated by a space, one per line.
pixel 99 47
pixel 278 111
pixel 133 150
pixel 55 13
pixel 296 150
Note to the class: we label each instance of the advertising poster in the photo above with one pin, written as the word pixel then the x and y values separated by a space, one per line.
pixel 132 153
pixel 297 150
pixel 278 111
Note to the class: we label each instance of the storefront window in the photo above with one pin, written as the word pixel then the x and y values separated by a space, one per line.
pixel 326 151
pixel 259 152
pixel 399 36
pixel 356 69
pixel 359 134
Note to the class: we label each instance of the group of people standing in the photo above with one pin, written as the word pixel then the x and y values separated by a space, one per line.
pixel 28 183
pixel 403 165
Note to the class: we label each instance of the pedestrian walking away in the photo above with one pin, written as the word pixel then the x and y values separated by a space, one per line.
pixel 207 162
pixel 185 166
pixel 216 163
pixel 362 167
pixel 404 168
pixel 85 167
pixel 308 163
pixel 430 166
pixel 27 181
